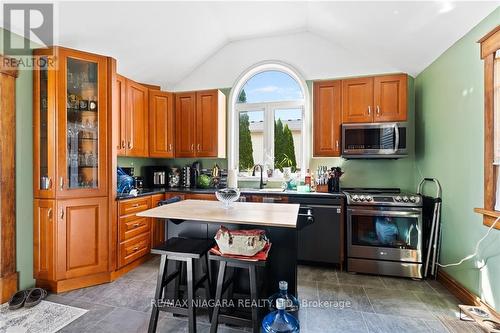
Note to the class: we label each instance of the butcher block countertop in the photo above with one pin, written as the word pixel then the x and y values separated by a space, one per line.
pixel 249 213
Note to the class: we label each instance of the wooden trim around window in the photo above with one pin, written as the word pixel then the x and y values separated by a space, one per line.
pixel 490 43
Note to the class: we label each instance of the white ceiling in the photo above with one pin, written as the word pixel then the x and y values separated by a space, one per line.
pixel 166 42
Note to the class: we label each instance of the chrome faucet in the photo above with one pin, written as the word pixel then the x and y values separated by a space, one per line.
pixel 261 168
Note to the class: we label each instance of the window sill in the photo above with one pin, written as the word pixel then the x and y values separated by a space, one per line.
pixel 489 216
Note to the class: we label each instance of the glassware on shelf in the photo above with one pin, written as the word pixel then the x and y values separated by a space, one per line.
pixel 291 302
pixel 280 321
pixel 227 196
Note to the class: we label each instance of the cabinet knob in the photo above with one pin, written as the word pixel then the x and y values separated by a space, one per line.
pixel 192 146
pixel 129 145
pixel 49 213
pixel 62 213
pixel 135 249
pixel 337 144
pixel 378 110
pixel 198 147
pixel 369 110
pixel 61 183
pixel 136 225
pixel 170 147
pixel 135 205
pixel 123 144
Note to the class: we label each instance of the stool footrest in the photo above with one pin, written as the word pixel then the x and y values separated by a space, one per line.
pixel 169 278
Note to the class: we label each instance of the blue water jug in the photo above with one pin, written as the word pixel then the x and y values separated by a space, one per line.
pixel 280 321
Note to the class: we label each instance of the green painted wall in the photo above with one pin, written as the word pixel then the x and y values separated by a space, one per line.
pixel 449 147
pixel 24 173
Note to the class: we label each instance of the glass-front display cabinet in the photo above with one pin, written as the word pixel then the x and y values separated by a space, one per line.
pixel 70 121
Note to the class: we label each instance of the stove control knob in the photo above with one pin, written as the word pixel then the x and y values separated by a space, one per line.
pixel 398 199
pixel 369 198
pixel 355 198
pixel 405 199
pixel 414 199
pixel 362 198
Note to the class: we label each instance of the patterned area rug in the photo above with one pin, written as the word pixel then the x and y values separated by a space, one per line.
pixel 46 317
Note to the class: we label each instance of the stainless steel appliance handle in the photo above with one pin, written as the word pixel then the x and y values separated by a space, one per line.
pixel 369 212
pixel 396 132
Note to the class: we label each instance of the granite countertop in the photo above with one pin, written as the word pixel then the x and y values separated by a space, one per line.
pixel 151 191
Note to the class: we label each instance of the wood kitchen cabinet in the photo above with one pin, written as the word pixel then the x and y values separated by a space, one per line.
pixel 44 239
pixel 390 93
pixel 70 240
pixel 134 232
pixel 157 225
pixel 70 113
pixel 132 102
pixel 357 100
pixel 71 100
pixel 375 99
pixel 82 237
pixel 327 117
pixel 161 124
pixel 200 119
pixel 137 119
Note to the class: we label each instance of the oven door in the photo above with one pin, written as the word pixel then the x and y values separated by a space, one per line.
pixel 374 140
pixel 386 233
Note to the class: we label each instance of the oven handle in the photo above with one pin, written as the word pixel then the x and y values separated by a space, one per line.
pixel 384 213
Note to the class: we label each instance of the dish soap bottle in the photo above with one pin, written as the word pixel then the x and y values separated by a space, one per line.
pixel 291 302
pixel 280 321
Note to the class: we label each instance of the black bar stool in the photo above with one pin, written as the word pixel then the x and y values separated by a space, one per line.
pixel 184 251
pixel 222 286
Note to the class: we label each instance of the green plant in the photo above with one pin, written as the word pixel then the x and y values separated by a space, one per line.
pixel 286 162
pixel 245 143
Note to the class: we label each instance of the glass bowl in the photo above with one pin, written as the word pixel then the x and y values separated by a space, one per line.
pixel 227 196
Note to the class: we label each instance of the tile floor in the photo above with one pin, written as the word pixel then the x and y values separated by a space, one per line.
pixel 356 303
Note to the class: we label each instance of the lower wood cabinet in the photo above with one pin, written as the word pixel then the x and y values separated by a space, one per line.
pixel 157 225
pixel 70 240
pixel 134 232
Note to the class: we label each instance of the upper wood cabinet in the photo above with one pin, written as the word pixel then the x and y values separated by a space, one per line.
pixel 70 125
pixel 327 118
pixel 375 99
pixel 137 120
pixel 161 124
pixel 185 123
pixel 357 100
pixel 200 119
pixel 390 93
pixel 120 95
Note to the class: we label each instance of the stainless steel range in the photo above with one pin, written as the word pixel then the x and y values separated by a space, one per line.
pixel 384 232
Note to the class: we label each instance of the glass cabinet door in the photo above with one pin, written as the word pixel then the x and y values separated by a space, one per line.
pixel 82 109
pixel 44 124
pixel 84 114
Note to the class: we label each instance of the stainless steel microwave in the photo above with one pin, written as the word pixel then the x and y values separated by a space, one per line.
pixel 374 140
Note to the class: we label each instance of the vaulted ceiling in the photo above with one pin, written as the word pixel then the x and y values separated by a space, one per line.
pixel 166 42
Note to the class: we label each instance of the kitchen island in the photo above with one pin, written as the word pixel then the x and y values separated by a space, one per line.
pixel 202 219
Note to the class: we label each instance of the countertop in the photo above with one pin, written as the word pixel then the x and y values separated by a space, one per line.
pixel 246 213
pixel 244 191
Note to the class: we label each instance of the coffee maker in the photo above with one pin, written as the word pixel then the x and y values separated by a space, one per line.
pixel 156 176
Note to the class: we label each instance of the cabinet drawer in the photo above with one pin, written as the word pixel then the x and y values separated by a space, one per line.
pixel 131 226
pixel 134 249
pixel 201 196
pixel 134 205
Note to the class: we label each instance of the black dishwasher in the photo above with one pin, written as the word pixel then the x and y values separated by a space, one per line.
pixel 322 241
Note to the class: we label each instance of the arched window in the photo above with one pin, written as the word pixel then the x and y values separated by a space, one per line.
pixel 269 119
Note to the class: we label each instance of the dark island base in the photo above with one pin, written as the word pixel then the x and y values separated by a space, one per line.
pixel 281 263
